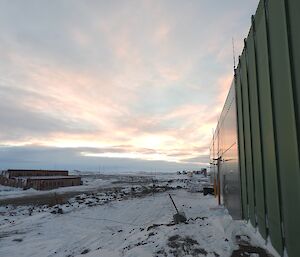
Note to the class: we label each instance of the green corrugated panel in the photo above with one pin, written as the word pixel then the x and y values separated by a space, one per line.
pixel 247 135
pixel 256 137
pixel 294 21
pixel 293 8
pixel 294 32
pixel 285 124
pixel 241 146
pixel 267 132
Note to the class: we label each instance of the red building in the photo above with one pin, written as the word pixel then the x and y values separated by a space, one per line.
pixel 38 179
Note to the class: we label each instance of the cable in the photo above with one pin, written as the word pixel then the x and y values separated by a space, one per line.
pixel 184 197
pixel 116 221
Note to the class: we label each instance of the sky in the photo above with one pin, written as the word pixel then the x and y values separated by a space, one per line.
pixel 120 85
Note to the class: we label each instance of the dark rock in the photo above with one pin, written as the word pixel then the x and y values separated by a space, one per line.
pixel 173 238
pixel 18 239
pixel 179 218
pixel 85 251
pixel 247 250
pixel 208 190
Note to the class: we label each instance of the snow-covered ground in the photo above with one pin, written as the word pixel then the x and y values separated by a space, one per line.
pixel 94 182
pixel 5 190
pixel 132 220
pixel 89 184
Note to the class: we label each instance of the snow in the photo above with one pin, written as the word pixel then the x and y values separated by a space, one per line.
pixel 89 185
pixel 95 182
pixel 131 221
pixel 6 191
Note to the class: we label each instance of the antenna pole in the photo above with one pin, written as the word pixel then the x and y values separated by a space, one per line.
pixel 233 52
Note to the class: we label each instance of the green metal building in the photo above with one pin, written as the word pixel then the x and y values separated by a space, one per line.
pixel 256 158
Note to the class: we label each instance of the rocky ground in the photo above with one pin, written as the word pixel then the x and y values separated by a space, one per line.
pixel 131 216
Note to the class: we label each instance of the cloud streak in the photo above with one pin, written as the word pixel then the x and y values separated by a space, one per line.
pixel 141 80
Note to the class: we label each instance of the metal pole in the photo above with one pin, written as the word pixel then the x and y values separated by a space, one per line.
pixel 174 203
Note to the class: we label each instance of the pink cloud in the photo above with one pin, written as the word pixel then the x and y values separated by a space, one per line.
pixel 144 48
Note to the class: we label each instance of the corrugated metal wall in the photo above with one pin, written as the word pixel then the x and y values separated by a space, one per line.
pixel 267 85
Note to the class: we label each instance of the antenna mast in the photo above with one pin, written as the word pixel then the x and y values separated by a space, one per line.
pixel 233 52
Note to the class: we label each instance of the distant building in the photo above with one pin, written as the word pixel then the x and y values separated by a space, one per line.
pixel 10 173
pixel 38 179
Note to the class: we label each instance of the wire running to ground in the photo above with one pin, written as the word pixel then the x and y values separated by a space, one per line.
pixel 134 224
pixel 102 219
pixel 152 221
